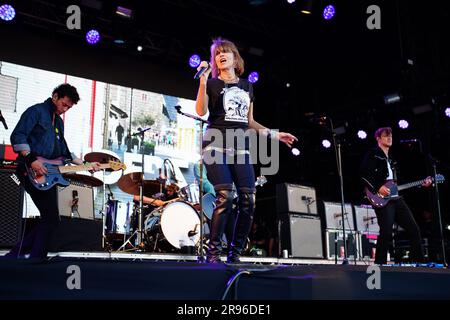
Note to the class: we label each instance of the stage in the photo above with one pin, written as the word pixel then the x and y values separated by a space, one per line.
pixel 143 276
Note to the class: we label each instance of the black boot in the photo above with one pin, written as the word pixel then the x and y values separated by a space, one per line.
pixel 246 207
pixel 224 200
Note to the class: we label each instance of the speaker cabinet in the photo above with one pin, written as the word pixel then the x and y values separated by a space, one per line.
pixel 366 219
pixel 294 198
pixel 76 201
pixel 301 235
pixel 333 215
pixel 11 206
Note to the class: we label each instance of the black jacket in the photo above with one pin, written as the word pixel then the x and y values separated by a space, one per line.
pixel 374 169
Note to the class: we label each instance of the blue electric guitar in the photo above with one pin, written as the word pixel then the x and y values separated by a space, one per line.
pixel 55 169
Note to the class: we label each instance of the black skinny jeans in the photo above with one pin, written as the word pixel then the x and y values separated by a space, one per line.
pixel 397 211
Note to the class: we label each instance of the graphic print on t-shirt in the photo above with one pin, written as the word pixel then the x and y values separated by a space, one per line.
pixel 236 103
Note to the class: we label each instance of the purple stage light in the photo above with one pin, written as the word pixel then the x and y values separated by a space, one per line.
pixel 194 61
pixel 326 143
pixel 7 12
pixel 403 124
pixel 328 12
pixel 447 112
pixel 93 36
pixel 253 77
pixel 362 134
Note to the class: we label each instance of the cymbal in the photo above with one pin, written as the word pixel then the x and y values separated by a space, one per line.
pixel 84 179
pixel 102 156
pixel 131 182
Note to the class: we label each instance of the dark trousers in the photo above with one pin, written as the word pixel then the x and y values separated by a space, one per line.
pixel 224 220
pixel 397 211
pixel 36 241
pixel 223 175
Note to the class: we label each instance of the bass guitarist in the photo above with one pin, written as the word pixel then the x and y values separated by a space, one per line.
pixel 40 134
pixel 376 170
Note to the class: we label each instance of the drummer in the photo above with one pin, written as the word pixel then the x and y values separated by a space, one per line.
pixel 170 192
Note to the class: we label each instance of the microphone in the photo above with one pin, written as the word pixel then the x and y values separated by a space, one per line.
pixel 3 120
pixel 337 215
pixel 193 232
pixel 178 108
pixel 202 71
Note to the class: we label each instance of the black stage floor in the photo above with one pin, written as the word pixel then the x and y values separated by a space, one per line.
pixel 96 278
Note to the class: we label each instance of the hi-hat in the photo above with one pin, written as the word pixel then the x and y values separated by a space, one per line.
pixel 131 182
pixel 84 179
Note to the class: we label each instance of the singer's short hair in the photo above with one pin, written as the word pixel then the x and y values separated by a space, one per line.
pixel 380 131
pixel 66 90
pixel 224 45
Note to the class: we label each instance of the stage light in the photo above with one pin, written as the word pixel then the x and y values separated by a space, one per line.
pixel 288 85
pixel 447 112
pixel 253 77
pixel 362 134
pixel 92 36
pixel 448 227
pixel 306 7
pixel 124 12
pixel 139 48
pixel 194 61
pixel 392 98
pixel 328 12
pixel 119 41
pixel 295 152
pixel 326 143
pixel 290 1
pixel 403 124
pixel 7 12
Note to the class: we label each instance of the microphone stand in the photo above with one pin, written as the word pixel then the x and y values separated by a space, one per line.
pixel 201 122
pixel 337 148
pixel 438 208
pixel 139 231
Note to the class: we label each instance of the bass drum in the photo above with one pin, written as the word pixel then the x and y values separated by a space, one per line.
pixel 172 226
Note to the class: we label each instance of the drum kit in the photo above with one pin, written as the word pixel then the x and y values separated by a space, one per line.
pixel 172 227
pixel 168 228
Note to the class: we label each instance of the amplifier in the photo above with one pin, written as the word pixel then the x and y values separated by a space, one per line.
pixel 334 243
pixel 11 205
pixel 366 219
pixel 293 198
pixel 77 201
pixel 333 215
pixel 301 235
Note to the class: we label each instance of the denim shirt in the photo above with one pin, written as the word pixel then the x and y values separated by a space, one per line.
pixel 35 132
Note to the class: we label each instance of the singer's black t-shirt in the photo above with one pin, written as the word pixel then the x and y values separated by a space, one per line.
pixel 228 104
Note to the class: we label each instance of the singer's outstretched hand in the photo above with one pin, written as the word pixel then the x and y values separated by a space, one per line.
pixel 287 138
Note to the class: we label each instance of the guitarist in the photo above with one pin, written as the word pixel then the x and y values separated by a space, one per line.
pixel 377 168
pixel 40 133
